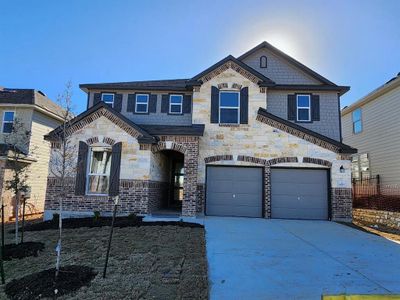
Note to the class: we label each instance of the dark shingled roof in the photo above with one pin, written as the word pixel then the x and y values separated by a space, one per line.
pixel 193 130
pixel 170 85
pixel 29 96
pixel 145 138
pixel 342 147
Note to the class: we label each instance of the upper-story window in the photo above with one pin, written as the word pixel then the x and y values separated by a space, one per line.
pixel 142 103
pixel 108 98
pixel 229 107
pixel 263 62
pixel 8 121
pixel 357 122
pixel 303 108
pixel 99 170
pixel 175 104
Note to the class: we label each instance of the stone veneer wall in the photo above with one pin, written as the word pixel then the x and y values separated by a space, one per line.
pixel 136 196
pixel 380 217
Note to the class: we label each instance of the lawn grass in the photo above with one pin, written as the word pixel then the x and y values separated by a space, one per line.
pixel 147 262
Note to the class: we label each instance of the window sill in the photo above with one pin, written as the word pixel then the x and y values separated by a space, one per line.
pixel 228 125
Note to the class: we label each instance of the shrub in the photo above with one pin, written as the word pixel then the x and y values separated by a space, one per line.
pixel 56 218
pixel 133 217
pixel 96 215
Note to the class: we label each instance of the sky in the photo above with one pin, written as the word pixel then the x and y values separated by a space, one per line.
pixel 46 43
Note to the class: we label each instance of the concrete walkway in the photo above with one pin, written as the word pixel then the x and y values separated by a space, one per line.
pixel 289 259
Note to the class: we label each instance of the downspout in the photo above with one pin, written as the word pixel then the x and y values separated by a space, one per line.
pixel 340 119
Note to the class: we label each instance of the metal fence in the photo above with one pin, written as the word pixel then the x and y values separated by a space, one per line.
pixel 369 193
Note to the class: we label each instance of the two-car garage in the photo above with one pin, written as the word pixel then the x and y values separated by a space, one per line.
pixel 296 193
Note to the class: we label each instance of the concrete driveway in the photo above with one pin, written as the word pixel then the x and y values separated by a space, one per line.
pixel 289 259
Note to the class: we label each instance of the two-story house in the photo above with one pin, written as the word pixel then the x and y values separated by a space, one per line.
pixel 255 136
pixel 38 115
pixel 371 124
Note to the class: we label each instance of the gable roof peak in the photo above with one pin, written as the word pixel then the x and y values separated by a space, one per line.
pixel 287 58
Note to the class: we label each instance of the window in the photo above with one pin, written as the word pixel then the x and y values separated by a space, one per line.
pixel 142 103
pixel 303 108
pixel 229 107
pixel 108 99
pixel 360 166
pixel 263 62
pixel 8 121
pixel 357 123
pixel 175 104
pixel 99 170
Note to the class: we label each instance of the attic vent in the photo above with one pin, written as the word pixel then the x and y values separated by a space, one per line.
pixel 263 61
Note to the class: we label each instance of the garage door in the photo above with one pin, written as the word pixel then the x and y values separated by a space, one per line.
pixel 299 194
pixel 234 191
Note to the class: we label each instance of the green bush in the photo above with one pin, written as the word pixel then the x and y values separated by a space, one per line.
pixel 133 217
pixel 96 215
pixel 56 218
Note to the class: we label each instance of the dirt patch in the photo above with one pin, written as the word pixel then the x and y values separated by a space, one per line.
pixel 120 222
pixel 12 251
pixel 146 262
pixel 41 285
pixel 381 230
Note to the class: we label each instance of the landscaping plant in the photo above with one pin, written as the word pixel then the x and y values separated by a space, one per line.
pixel 19 160
pixel 62 164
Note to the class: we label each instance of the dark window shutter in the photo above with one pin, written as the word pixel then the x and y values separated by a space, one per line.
pixel 80 183
pixel 118 102
pixel 115 169
pixel 96 98
pixel 131 103
pixel 165 103
pixel 244 105
pixel 152 103
pixel 291 108
pixel 315 107
pixel 214 104
pixel 187 104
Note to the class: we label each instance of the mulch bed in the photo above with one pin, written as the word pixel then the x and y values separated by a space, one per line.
pixel 121 222
pixel 22 250
pixel 41 284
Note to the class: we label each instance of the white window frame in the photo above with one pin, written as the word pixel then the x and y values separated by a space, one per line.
pixel 360 120
pixel 303 107
pixel 228 107
pixel 88 174
pixel 147 104
pixel 177 104
pixel 110 103
pixel 3 121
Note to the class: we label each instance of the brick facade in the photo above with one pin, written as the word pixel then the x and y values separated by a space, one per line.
pixel 136 196
pixel 341 204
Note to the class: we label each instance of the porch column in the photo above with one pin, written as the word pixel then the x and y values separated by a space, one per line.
pixel 190 179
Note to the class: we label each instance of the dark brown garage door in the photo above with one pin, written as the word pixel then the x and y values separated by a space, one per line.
pixel 299 193
pixel 234 191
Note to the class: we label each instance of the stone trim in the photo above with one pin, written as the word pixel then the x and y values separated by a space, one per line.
pixel 215 158
pixel 222 85
pixel 298 133
pixel 179 138
pixel 55 145
pixel 236 86
pixel 168 146
pixel 269 162
pixel 230 65
pixel 103 112
pixel 144 146
pixel 317 161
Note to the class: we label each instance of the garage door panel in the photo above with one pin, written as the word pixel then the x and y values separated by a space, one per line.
pixel 234 191
pixel 223 210
pixel 299 193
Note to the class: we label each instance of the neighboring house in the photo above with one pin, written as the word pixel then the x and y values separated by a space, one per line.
pixel 39 115
pixel 257 136
pixel 372 125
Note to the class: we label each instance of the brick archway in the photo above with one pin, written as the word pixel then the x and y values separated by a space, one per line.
pixel 169 145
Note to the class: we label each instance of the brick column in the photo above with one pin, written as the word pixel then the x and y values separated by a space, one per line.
pixel 190 181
